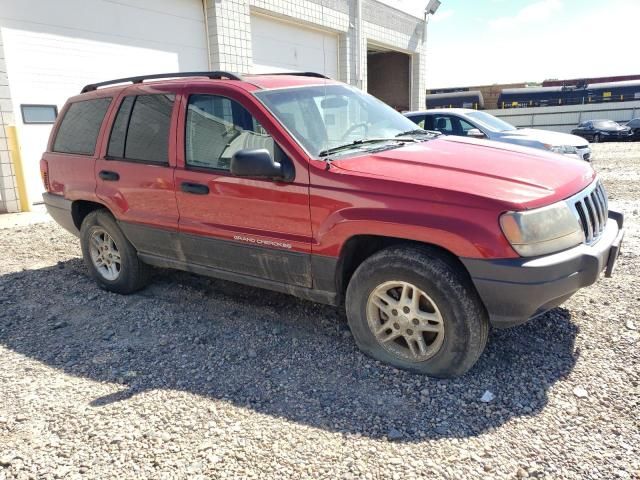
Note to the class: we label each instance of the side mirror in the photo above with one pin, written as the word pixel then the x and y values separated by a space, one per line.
pixel 475 133
pixel 255 163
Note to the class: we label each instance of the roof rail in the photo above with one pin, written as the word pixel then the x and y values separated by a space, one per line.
pixel 296 74
pixel 216 75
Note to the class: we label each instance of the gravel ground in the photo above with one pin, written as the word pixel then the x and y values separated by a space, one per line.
pixel 200 378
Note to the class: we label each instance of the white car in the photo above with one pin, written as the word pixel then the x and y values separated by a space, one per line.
pixel 478 124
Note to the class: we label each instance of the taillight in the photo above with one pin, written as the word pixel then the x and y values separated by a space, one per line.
pixel 44 172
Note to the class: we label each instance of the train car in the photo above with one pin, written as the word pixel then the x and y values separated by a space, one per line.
pixel 614 91
pixel 535 97
pixel 468 99
pixel 569 95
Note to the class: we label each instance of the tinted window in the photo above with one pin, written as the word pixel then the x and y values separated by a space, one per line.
pixel 443 124
pixel 418 120
pixel 141 129
pixel 80 126
pixel 216 128
pixel 119 129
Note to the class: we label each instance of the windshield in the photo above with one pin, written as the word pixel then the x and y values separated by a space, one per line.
pixel 492 123
pixel 324 117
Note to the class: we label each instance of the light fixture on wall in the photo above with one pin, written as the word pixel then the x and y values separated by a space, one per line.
pixel 432 7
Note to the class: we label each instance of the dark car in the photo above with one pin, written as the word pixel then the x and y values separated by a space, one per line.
pixel 634 125
pixel 603 131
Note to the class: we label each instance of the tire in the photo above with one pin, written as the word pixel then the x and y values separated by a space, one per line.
pixel 448 302
pixel 596 138
pixel 99 230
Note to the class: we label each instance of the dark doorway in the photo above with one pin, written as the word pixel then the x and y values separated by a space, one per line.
pixel 388 77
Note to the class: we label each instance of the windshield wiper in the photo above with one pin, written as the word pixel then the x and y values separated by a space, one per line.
pixel 362 141
pixel 419 131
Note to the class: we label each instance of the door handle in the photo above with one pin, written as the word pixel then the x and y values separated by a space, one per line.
pixel 108 176
pixel 195 188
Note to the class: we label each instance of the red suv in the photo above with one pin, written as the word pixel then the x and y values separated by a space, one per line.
pixel 300 184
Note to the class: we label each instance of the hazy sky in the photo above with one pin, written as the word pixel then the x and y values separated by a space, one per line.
pixel 500 41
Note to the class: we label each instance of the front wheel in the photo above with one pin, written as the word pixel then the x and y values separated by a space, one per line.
pixel 415 308
pixel 596 138
pixel 111 259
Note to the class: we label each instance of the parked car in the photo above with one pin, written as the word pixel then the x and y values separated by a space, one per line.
pixel 304 185
pixel 472 123
pixel 634 125
pixel 603 131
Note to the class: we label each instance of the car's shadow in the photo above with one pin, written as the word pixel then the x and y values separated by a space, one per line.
pixel 269 352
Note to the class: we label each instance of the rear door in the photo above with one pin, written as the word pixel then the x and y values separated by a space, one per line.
pixel 136 168
pixel 253 227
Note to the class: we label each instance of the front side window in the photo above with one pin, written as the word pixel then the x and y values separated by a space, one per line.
pixel 323 117
pixel 216 128
pixel 141 129
pixel 79 129
pixel 465 127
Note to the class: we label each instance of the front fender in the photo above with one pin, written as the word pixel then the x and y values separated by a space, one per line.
pixel 475 235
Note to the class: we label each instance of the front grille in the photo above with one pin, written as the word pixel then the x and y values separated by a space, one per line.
pixel 582 147
pixel 592 208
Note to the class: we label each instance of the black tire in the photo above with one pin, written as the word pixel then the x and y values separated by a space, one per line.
pixel 133 274
pixel 596 138
pixel 464 318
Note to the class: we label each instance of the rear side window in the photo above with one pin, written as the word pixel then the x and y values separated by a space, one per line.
pixel 140 132
pixel 78 131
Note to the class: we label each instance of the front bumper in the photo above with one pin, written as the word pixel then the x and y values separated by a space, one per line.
pixel 516 290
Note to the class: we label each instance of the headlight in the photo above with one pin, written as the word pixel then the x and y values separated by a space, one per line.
pixel 543 230
pixel 562 149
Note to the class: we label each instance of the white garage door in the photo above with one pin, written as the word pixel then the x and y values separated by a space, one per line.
pixel 53 48
pixel 281 46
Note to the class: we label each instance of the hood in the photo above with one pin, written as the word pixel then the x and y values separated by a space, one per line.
pixel 617 128
pixel 552 138
pixel 519 177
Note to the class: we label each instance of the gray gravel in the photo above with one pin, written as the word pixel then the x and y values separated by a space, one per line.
pixel 200 378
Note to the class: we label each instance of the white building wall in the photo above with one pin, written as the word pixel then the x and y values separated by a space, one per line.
pixel 55 47
pixel 52 48
pixel 230 34
pixel 8 192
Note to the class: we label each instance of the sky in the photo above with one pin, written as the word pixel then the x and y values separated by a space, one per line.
pixel 477 42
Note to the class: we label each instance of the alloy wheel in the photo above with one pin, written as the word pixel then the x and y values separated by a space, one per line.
pixel 105 254
pixel 405 321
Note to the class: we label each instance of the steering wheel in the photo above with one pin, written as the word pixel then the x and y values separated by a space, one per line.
pixel 350 130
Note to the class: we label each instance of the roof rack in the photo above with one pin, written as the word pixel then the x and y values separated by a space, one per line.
pixel 296 74
pixel 216 75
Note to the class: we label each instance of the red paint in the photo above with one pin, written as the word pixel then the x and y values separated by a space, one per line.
pixel 449 192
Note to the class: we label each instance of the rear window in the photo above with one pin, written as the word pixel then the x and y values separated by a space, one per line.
pixel 140 132
pixel 78 131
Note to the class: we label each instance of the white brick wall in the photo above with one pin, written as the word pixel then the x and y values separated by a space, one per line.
pixel 230 34
pixel 8 191
pixel 229 38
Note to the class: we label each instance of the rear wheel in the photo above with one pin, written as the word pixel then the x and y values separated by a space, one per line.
pixel 416 309
pixel 111 259
pixel 596 138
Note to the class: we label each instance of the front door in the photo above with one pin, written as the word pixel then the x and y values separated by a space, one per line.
pixel 135 173
pixel 253 227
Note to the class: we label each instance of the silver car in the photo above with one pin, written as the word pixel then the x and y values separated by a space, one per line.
pixel 478 124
